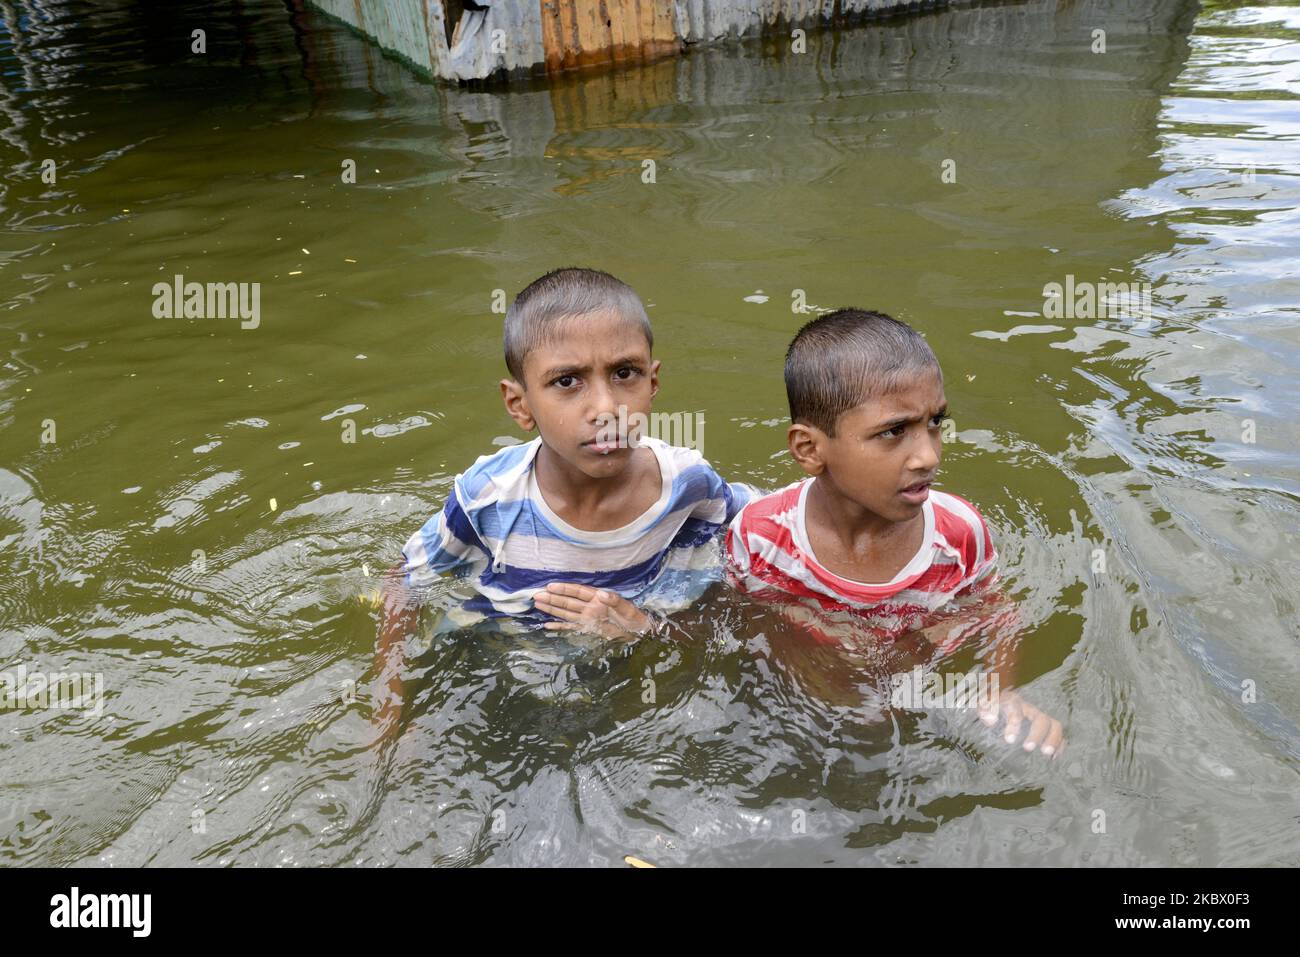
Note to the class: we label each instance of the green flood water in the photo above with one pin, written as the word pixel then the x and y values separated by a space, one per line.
pixel 1141 474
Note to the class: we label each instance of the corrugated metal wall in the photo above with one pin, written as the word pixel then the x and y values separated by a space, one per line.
pixel 704 20
pixel 556 35
pixel 398 26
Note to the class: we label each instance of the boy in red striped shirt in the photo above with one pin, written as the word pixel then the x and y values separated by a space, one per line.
pixel 866 534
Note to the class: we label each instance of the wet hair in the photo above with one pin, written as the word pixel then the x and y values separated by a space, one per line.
pixel 847 357
pixel 545 307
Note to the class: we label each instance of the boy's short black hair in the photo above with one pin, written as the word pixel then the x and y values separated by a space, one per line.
pixel 846 357
pixel 539 311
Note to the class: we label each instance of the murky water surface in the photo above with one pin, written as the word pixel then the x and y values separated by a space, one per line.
pixel 1141 473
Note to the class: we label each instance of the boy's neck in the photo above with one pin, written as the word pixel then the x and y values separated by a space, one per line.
pixel 855 528
pixel 594 503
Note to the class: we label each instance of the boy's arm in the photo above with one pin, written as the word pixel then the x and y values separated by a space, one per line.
pixel 987 608
pixel 996 613
pixel 446 543
pixel 398 618
pixel 991 611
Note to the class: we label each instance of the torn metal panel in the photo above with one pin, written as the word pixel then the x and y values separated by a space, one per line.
pixel 449 39
pixel 487 37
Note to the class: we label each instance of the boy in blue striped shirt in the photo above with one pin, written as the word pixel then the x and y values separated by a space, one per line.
pixel 589 527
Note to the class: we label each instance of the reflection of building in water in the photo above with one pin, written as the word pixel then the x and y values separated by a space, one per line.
pixel 607 124
pixel 583 128
pixel 29 26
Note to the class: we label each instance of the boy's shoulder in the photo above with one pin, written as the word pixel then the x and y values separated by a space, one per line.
pixel 959 525
pixel 494 476
pixel 684 467
pixel 679 457
pixel 501 478
pixel 774 512
pixel 693 484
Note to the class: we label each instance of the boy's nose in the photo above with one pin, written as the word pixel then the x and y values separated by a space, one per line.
pixel 602 402
pixel 925 457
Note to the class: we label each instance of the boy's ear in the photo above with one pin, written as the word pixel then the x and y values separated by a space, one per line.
pixel 654 378
pixel 512 394
pixel 805 446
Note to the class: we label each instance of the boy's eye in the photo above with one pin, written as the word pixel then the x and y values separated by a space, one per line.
pixel 626 372
pixel 894 433
pixel 938 420
pixel 565 381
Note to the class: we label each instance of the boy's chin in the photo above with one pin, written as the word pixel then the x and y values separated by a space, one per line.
pixel 602 464
pixel 894 510
pixel 899 509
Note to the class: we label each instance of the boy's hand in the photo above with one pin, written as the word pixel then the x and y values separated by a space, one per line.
pixel 593 610
pixel 1045 733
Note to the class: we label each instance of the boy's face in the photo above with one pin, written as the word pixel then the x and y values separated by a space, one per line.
pixel 574 386
pixel 885 452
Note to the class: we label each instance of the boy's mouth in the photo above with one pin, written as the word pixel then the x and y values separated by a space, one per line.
pixel 917 493
pixel 602 446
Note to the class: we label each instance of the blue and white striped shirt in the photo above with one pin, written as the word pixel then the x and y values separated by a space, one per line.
pixel 497 531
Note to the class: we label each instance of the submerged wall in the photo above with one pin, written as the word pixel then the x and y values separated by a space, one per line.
pixel 473 39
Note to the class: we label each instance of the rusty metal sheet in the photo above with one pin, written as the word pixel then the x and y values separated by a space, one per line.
pixel 577 33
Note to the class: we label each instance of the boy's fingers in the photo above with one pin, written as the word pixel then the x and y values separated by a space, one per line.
pixel 999 706
pixel 562 626
pixel 1055 738
pixel 553 602
pixel 1014 720
pixel 563 614
pixel 1038 730
pixel 989 714
pixel 568 589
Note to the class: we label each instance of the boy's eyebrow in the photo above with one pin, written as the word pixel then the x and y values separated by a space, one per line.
pixel 556 372
pixel 908 419
pixel 628 361
pixel 897 421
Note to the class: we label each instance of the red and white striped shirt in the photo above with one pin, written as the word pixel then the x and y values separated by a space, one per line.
pixel 770 557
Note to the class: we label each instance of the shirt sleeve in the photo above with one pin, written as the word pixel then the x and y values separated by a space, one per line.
pixel 984 574
pixel 736 495
pixel 737 550
pixel 447 542
pixel 717 500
